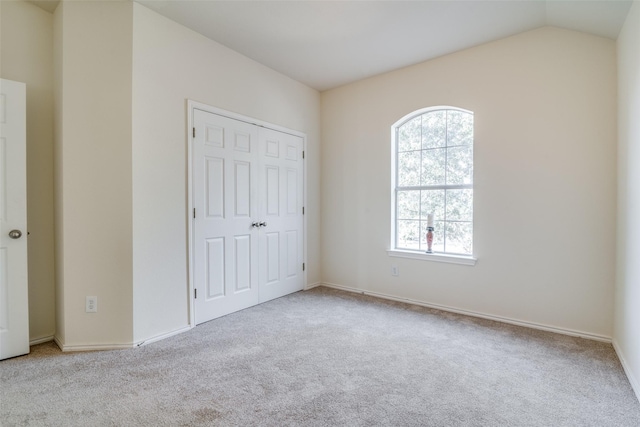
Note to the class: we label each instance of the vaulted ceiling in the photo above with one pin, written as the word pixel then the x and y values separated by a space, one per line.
pixel 325 44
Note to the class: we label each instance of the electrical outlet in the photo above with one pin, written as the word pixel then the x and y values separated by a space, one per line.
pixel 395 271
pixel 91 305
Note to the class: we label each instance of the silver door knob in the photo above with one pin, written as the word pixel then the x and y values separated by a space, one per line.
pixel 15 234
pixel 255 224
pixel 263 224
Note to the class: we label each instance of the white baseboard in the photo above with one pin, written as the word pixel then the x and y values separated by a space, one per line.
pixel 635 385
pixel 312 285
pixel 41 340
pixel 501 319
pixel 163 336
pixel 97 347
pixel 91 347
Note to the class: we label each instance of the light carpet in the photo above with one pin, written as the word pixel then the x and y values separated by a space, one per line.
pixel 327 358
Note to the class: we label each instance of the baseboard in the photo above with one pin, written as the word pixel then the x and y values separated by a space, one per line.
pixel 91 347
pixel 311 286
pixel 41 340
pixel 163 336
pixel 501 319
pixel 98 347
pixel 635 385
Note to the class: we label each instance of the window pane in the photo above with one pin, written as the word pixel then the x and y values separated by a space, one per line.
pixel 408 235
pixel 435 149
pixel 438 236
pixel 410 135
pixel 433 165
pixel 434 129
pixel 432 202
pixel 459 205
pixel 460 165
pixel 458 237
pixel 459 128
pixel 409 168
pixel 408 204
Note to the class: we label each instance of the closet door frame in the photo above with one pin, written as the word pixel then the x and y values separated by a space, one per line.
pixel 191 107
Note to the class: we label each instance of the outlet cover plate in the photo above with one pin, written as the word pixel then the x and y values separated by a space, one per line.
pixel 395 271
pixel 91 305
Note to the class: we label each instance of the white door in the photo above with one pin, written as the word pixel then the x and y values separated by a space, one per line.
pixel 14 305
pixel 248 228
pixel 225 154
pixel 281 203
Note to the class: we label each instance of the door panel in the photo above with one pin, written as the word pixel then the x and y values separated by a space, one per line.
pixel 281 242
pixel 214 192
pixel 242 260
pixel 14 304
pixel 225 244
pixel 215 268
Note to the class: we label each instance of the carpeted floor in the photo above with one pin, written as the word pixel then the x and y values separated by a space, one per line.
pixel 327 358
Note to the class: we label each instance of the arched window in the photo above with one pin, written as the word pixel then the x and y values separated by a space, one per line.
pixel 432 181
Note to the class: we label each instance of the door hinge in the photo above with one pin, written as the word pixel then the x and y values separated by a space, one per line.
pixel 194 132
pixel 303 154
pixel 303 210
pixel 194 212
pixel 303 266
pixel 195 294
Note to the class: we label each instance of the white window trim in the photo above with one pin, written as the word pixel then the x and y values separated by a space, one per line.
pixel 418 255
pixel 437 257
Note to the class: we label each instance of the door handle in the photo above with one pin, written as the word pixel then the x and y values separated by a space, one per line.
pixel 255 224
pixel 263 224
pixel 15 234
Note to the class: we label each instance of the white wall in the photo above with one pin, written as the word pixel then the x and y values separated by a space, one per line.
pixel 26 55
pixel 545 167
pixel 172 64
pixel 627 301
pixel 93 48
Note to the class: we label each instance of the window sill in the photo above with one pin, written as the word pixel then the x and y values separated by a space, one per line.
pixel 452 259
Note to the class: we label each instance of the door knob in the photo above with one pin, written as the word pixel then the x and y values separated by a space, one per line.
pixel 255 224
pixel 15 234
pixel 263 224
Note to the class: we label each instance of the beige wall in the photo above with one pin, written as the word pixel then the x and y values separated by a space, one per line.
pixel 544 103
pixel 93 172
pixel 627 302
pixel 26 55
pixel 172 64
pixel 545 159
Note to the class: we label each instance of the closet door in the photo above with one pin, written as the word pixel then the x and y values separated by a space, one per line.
pixel 248 227
pixel 225 165
pixel 281 201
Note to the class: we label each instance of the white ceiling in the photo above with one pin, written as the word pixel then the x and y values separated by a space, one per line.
pixel 325 44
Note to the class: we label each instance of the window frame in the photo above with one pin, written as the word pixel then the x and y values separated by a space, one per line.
pixel 418 254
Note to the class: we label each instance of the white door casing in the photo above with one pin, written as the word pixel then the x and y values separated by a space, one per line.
pixel 247 230
pixel 14 304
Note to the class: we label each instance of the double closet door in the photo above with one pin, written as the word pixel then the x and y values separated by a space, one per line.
pixel 248 230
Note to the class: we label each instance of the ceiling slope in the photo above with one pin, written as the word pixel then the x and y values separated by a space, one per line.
pixel 325 44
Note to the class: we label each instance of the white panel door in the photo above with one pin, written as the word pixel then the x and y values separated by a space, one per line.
pixel 14 306
pixel 248 228
pixel 225 159
pixel 281 202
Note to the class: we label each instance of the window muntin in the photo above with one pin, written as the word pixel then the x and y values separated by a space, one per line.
pixel 433 156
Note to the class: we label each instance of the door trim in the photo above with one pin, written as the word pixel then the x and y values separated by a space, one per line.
pixel 191 107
